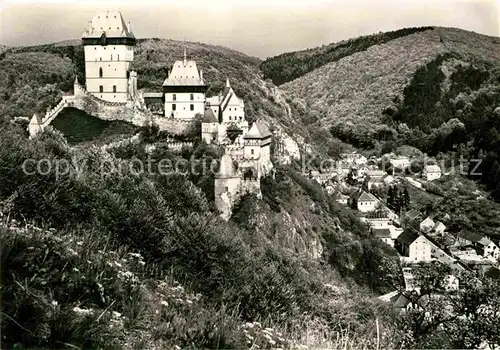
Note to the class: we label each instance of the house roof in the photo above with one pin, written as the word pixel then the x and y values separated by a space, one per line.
pixel 381 232
pixel 184 73
pixel 109 22
pixel 439 226
pixel 227 168
pixel 209 116
pixel 408 236
pixel 257 131
pixel 470 236
pixel 432 168
pixel 152 94
pixel 428 221
pixel 412 214
pixel 401 302
pixel 367 197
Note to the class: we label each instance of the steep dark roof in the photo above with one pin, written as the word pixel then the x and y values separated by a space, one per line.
pixel 258 131
pixel 401 302
pixel 408 236
pixel 470 236
pixel 209 116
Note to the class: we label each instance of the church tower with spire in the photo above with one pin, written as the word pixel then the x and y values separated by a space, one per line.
pixel 109 52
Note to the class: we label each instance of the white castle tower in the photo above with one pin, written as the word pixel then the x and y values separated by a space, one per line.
pixel 109 53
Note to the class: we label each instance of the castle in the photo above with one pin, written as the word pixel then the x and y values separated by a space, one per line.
pixel 111 93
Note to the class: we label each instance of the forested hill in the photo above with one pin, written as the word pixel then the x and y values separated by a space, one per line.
pixel 292 65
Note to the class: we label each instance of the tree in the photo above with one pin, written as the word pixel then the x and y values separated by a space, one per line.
pixel 444 317
pixel 406 198
pixel 391 196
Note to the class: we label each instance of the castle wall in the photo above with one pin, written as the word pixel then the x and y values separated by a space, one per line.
pixel 227 191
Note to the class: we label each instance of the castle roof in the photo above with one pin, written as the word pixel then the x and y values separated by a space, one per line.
pixel 209 116
pixel 184 73
pixel 258 131
pixel 227 168
pixel 110 23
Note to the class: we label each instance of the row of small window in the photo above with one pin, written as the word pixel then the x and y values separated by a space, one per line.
pixel 111 58
pixel 174 97
pixel 101 88
pixel 236 118
pixel 174 107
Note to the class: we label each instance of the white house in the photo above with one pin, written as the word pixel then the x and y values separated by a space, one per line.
pixel 427 225
pixel 431 172
pixel 413 246
pixel 384 234
pixel 439 227
pixel 364 202
pixel 401 162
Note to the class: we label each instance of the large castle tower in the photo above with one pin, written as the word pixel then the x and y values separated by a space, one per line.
pixel 109 53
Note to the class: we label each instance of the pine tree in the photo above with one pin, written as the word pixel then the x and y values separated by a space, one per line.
pixel 390 197
pixel 406 199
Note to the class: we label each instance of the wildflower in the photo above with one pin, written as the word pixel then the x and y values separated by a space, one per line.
pixel 75 269
pixel 109 264
pixel 272 342
pixel 249 336
pixel 118 264
pixel 116 314
pixel 72 252
pixel 189 301
pixel 79 243
pixel 177 347
pixel 249 324
pixel 142 263
pixel 164 303
pixel 157 312
pixel 31 248
pixel 54 303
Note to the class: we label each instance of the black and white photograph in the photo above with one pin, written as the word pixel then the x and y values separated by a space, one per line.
pixel 196 174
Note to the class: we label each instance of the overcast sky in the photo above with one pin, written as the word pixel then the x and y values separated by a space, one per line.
pixel 260 28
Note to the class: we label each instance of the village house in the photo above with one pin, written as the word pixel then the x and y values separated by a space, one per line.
pixel 354 158
pixel 384 234
pixel 482 245
pixel 431 172
pixel 411 214
pixel 427 225
pixel 413 246
pixel 439 228
pixel 363 201
pixel 401 162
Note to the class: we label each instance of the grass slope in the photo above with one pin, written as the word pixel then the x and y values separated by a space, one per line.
pixel 78 126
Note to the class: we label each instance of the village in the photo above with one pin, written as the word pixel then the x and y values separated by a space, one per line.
pixel 360 183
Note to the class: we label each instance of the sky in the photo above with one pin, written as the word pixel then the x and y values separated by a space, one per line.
pixel 261 28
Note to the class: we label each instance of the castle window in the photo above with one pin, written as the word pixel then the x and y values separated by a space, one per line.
pixel 111 57
pixel 191 97
pixel 101 89
pixel 118 58
pixel 114 88
pixel 100 72
pixel 251 151
pixel 100 58
pixel 174 97
pixel 174 107
pixel 191 107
